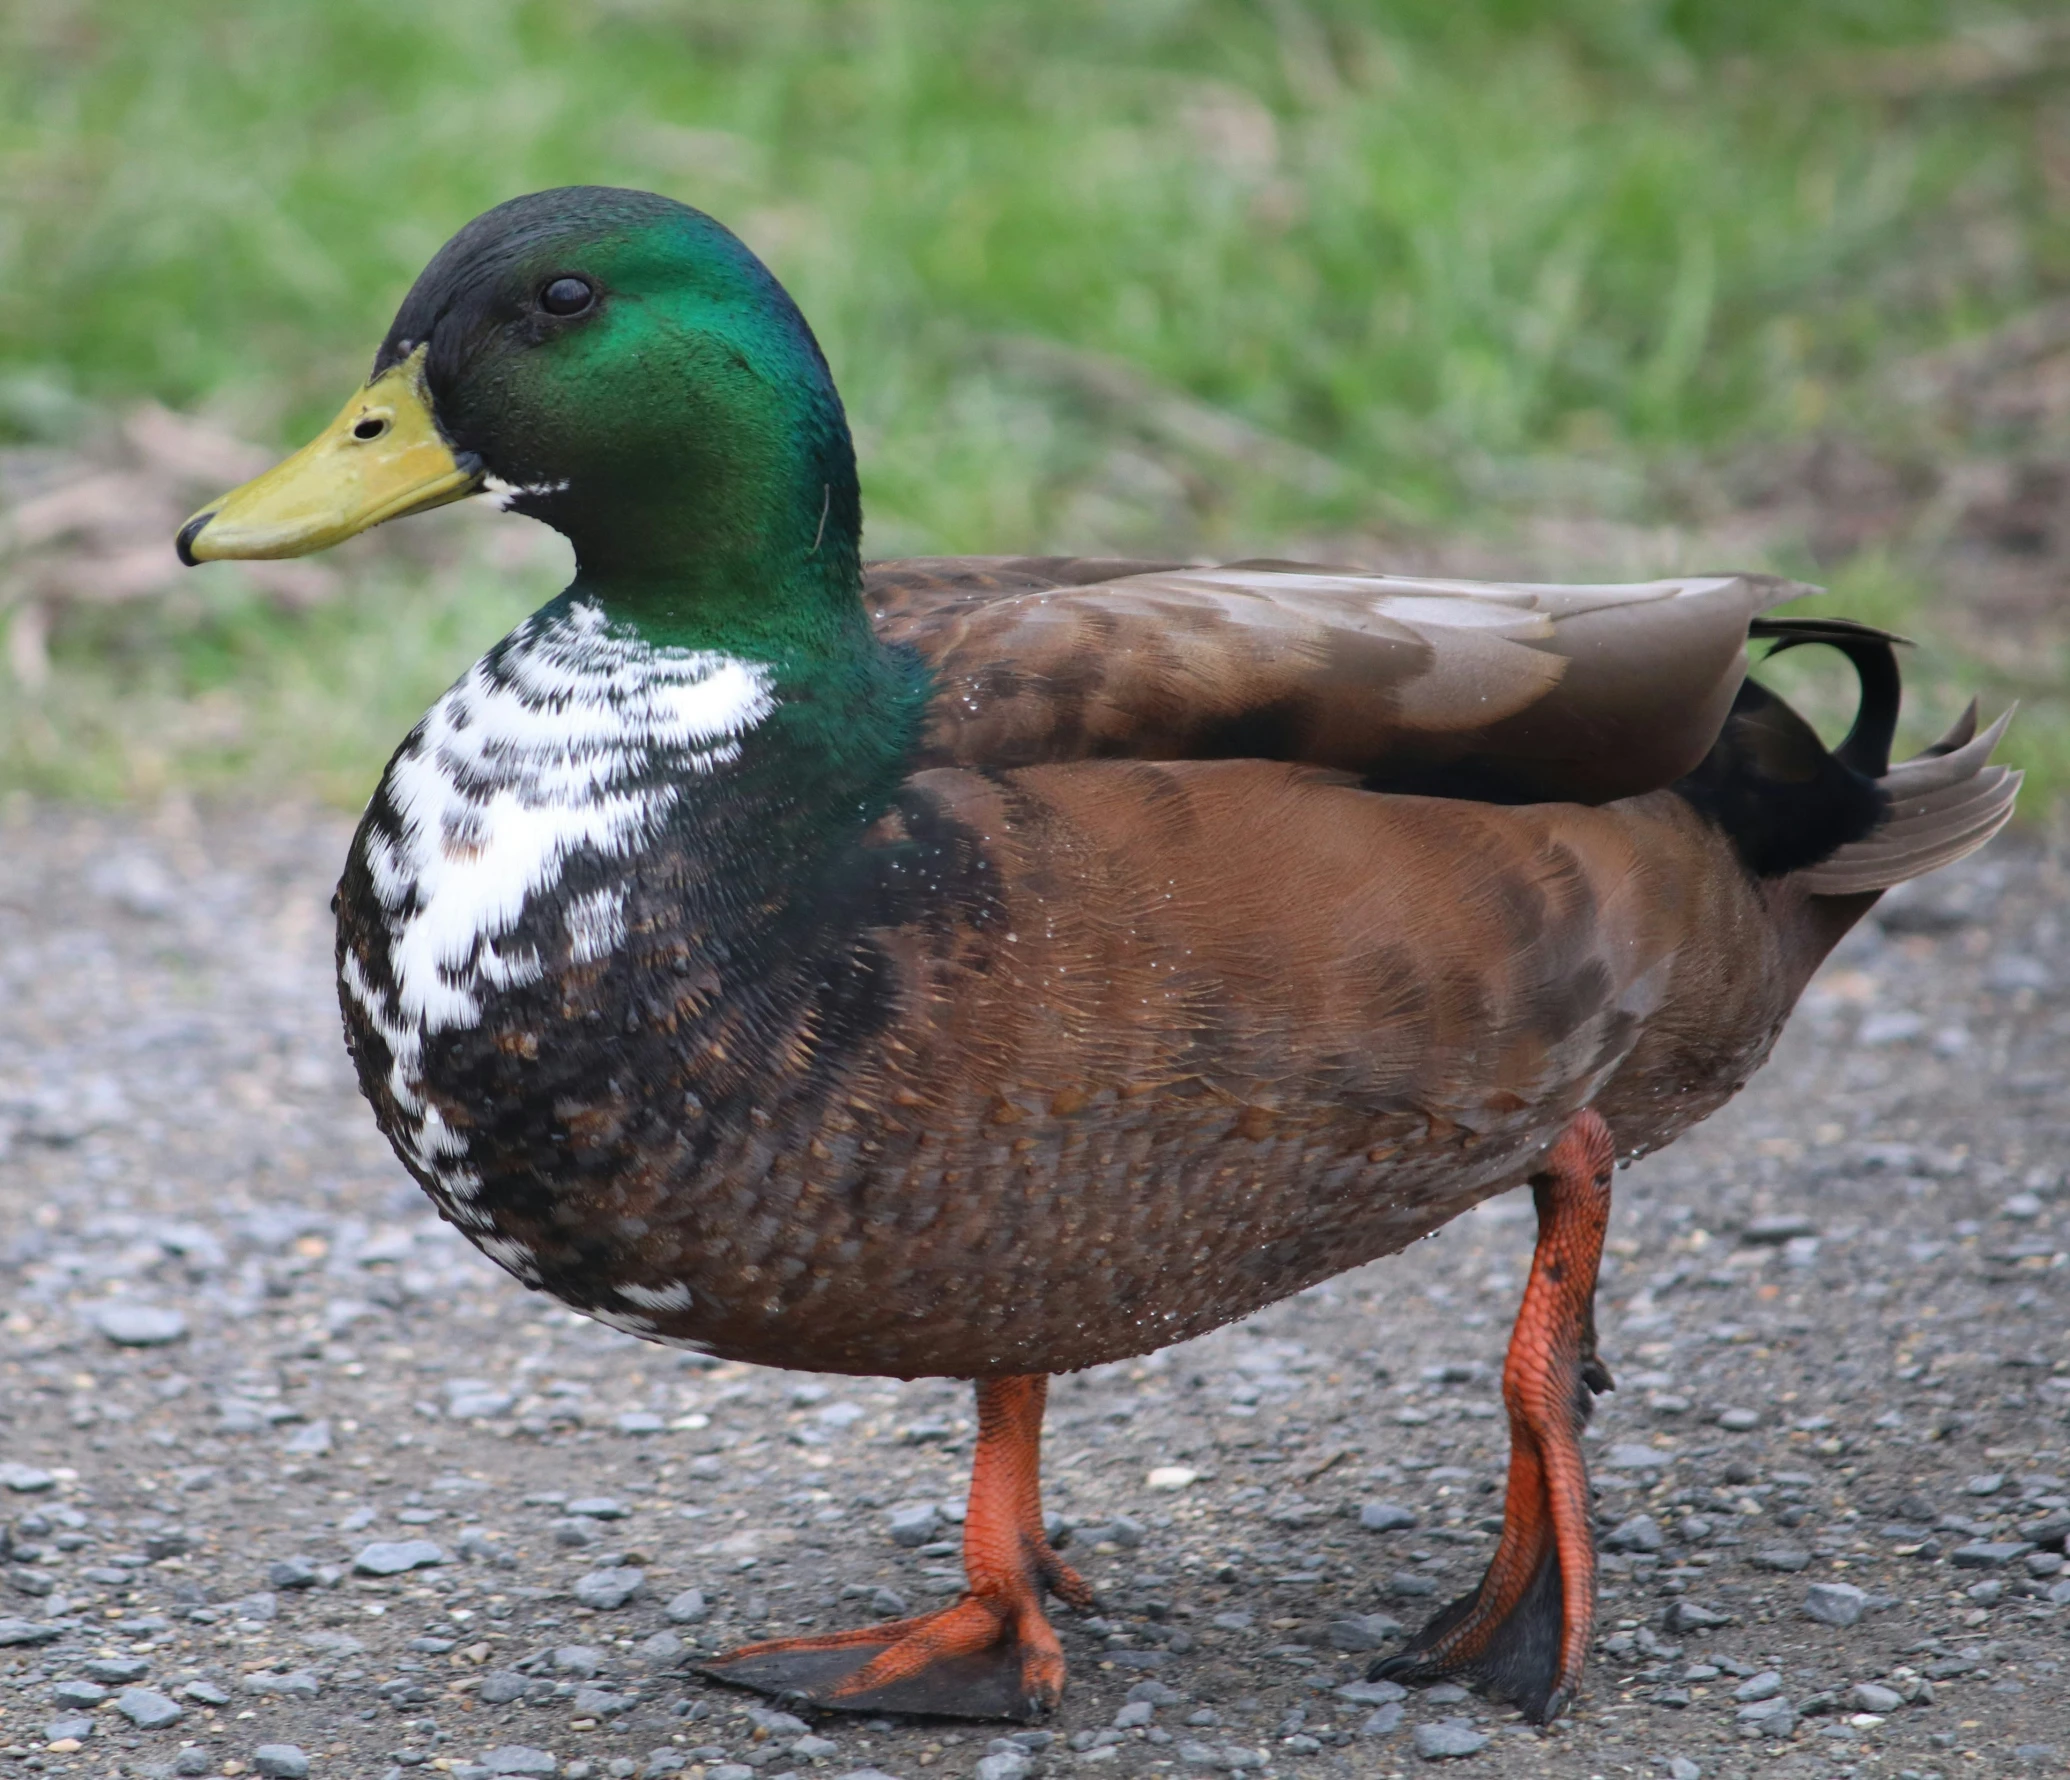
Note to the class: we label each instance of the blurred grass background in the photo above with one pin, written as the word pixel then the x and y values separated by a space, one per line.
pixel 1583 287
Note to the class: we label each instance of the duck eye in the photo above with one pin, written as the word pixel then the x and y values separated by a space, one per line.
pixel 566 296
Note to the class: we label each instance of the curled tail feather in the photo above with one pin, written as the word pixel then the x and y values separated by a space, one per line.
pixel 1944 804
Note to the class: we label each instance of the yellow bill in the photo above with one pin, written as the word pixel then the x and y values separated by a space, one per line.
pixel 381 458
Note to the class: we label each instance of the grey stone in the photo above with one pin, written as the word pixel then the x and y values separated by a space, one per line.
pixel 522 1759
pixel 1739 1421
pixel 1987 1483
pixel 116 1669
pixel 281 1761
pixel 204 1693
pixel 1777 1230
pixel 500 1686
pixel 138 1325
pixel 147 1708
pixel 811 1748
pixel 78 1693
pixel 599 1507
pixel 299 1685
pixel 310 1442
pixel 1158 1693
pixel 601 1702
pixel 260 1608
pixel 1134 1715
pixel 1836 1603
pixel 291 1573
pixel 1448 1739
pixel 1372 1693
pixel 1787 1558
pixel 27 1480
pixel 688 1608
pixel 1764 1686
pixel 1383 1723
pixel 578 1659
pixel 27 1631
pixel 1411 1585
pixel 1361 1631
pixel 1008 1764
pixel 1687 1616
pixel 1867 1696
pixel 1680 1767
pixel 605 1590
pixel 1386 1517
pixel 660 1647
pixel 889 1602
pixel 78 1727
pixel 1640 1533
pixel 915 1525
pixel 777 1724
pixel 392 1557
pixel 192 1761
pixel 1988 1554
pixel 640 1421
pixel 1633 1457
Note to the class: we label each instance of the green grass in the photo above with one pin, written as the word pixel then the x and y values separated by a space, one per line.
pixel 1192 275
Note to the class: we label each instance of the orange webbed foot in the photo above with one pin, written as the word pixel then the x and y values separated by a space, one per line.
pixel 993 1654
pixel 1523 1634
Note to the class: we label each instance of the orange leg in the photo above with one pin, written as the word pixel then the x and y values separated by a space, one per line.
pixel 1523 1634
pixel 991 1655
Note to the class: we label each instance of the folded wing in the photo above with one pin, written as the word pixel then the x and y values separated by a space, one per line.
pixel 1507 692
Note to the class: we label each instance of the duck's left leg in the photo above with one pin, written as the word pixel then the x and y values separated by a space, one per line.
pixel 1523 1634
pixel 991 1655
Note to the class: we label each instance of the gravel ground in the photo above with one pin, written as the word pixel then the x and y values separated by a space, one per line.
pixel 244 1367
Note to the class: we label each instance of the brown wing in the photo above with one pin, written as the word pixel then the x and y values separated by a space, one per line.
pixel 1506 692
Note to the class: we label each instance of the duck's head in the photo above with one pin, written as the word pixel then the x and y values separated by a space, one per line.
pixel 612 362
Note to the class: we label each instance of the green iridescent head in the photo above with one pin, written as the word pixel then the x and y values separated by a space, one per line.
pixel 614 363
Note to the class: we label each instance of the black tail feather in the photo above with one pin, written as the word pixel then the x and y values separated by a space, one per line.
pixel 1872 654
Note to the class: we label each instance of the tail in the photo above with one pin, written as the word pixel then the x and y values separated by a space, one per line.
pixel 1848 820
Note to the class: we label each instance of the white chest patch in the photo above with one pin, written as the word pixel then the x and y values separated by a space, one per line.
pixel 573 735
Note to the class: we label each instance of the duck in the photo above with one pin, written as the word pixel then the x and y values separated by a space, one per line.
pixel 989 968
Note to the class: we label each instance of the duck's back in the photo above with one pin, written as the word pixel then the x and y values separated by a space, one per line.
pixel 1057 1058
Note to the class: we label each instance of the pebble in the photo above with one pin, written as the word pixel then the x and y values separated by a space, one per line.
pixel 688 1608
pixel 500 1686
pixel 1687 1616
pixel 1836 1603
pixel 27 1480
pixel 204 1693
pixel 578 1659
pixel 1411 1585
pixel 1448 1739
pixel 1006 1765
pixel 1640 1533
pixel 1386 1517
pixel 392 1557
pixel 1867 1696
pixel 78 1693
pixel 915 1526
pixel 1787 1558
pixel 1764 1686
pixel 1134 1714
pixel 281 1761
pixel 291 1573
pixel 815 1748
pixel 1383 1723
pixel 76 1728
pixel 1633 1457
pixel 299 1685
pixel 147 1708
pixel 1739 1421
pixel 1372 1693
pixel 138 1325
pixel 1172 1477
pixel 1775 1231
pixel 1988 1554
pixel 1361 1631
pixel 27 1631
pixel 599 1508
pixel 605 1590
pixel 117 1669
pixel 523 1759
pixel 1680 1767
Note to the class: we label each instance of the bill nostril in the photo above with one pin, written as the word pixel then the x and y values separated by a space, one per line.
pixel 372 426
pixel 184 543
